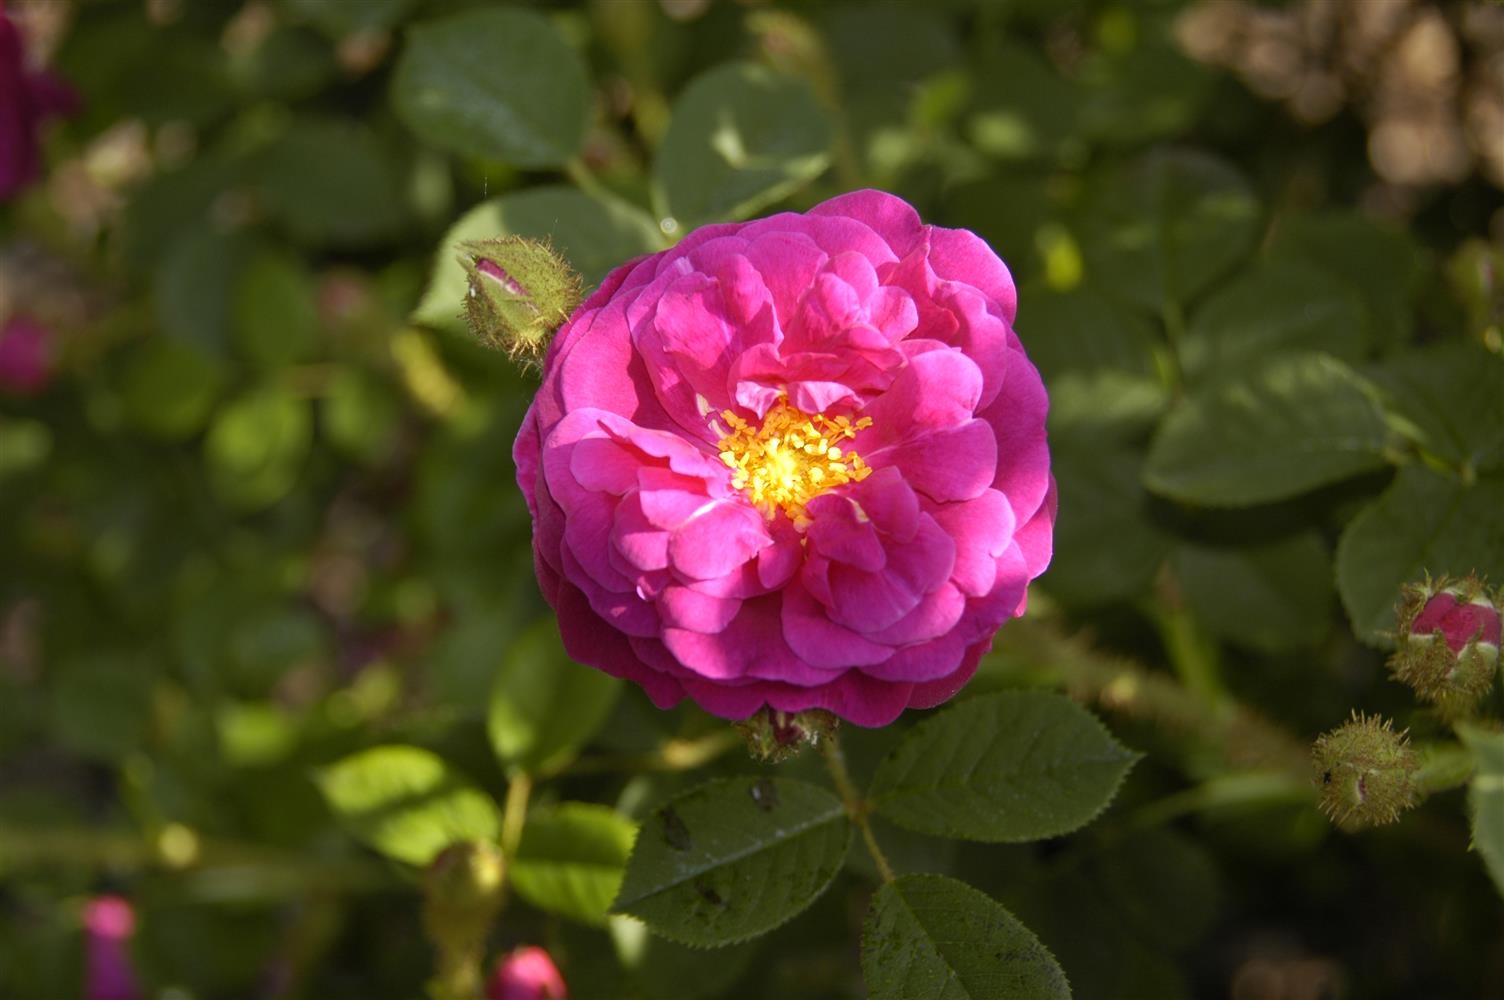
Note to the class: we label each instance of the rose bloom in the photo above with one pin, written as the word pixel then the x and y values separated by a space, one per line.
pixel 26 99
pixel 798 462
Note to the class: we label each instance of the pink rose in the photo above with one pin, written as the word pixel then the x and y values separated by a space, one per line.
pixel 526 974
pixel 109 922
pixel 798 462
pixel 26 99
pixel 26 356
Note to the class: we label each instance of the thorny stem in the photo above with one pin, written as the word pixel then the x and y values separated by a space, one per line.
pixel 856 808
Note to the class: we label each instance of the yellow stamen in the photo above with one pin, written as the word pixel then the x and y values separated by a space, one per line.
pixel 791 459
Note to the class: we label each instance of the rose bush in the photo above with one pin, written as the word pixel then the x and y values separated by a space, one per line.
pixel 27 98
pixel 797 462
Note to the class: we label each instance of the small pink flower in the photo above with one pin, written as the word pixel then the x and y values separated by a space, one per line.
pixel 27 98
pixel 798 462
pixel 26 356
pixel 526 974
pixel 1448 642
pixel 109 922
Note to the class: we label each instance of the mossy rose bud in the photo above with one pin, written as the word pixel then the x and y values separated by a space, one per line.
pixel 520 292
pixel 1366 772
pixel 1448 643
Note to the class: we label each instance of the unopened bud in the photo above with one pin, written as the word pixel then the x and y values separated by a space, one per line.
pixel 773 736
pixel 1448 643
pixel 528 973
pixel 520 291
pixel 462 891
pixel 1366 772
pixel 27 356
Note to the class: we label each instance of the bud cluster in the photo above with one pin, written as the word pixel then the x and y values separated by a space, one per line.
pixel 1366 772
pixel 1448 643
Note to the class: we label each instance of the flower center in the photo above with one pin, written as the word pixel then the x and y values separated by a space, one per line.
pixel 791 459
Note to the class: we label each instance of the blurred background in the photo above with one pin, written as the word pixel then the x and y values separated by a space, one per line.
pixel 257 506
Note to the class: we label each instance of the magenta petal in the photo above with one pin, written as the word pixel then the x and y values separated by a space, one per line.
pixel 687 608
pixel 1023 455
pixel 982 529
pixel 924 661
pixel 840 531
pixel 891 218
pixel 643 544
pixel 589 640
pixel 821 642
pixel 932 693
pixel 959 255
pixel 717 539
pixel 953 464
pixel 936 390
pixel 934 616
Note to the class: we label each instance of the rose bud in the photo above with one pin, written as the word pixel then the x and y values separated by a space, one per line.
pixel 27 99
pixel 1366 773
pixel 109 922
pixel 26 356
pixel 526 974
pixel 774 736
pixel 1448 643
pixel 520 291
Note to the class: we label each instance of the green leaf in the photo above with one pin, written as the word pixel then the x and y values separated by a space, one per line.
pixel 1382 264
pixel 1004 767
pixel 256 447
pixel 331 182
pixel 741 137
pixel 593 235
pixel 1274 307
pixel 929 937
pixel 193 286
pixel 1162 228
pixel 496 84
pixel 1485 798
pixel 275 320
pixel 571 860
pixel 406 802
pixel 1426 522
pixel 734 858
pixel 1296 422
pixel 1453 394
pixel 167 387
pixel 544 706
pixel 362 415
pixel 1274 596
pixel 1108 546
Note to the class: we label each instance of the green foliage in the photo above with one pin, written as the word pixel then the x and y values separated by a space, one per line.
pixel 740 138
pixel 543 706
pixel 928 936
pixel 1002 767
pixel 406 802
pixel 571 860
pixel 1283 428
pixel 496 83
pixel 733 859
pixel 256 446
pixel 1485 799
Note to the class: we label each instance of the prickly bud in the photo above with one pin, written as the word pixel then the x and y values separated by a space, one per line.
pixel 773 736
pixel 1448 643
pixel 1366 772
pixel 528 973
pixel 520 292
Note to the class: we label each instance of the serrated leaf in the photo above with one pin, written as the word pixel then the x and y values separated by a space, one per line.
pixel 256 446
pixel 929 937
pixel 1453 394
pixel 1005 767
pixel 1272 596
pixel 734 858
pixel 740 138
pixel 1297 422
pixel 1485 798
pixel 1274 307
pixel 406 802
pixel 1163 227
pixel 1426 522
pixel 544 706
pixel 494 83
pixel 571 860
pixel 593 235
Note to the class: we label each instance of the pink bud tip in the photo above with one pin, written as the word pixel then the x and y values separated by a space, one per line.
pixel 1459 622
pixel 526 974
pixel 109 922
pixel 494 270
